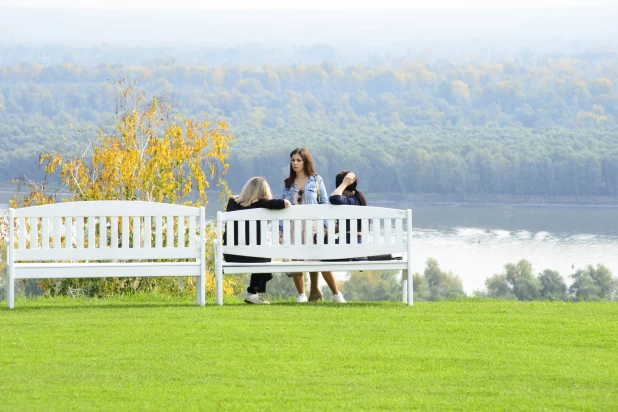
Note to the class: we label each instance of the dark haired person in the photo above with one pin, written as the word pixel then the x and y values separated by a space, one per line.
pixel 304 186
pixel 347 194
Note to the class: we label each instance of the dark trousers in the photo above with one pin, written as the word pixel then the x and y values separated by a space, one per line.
pixel 257 284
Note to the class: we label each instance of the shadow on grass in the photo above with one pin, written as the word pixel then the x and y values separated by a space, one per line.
pixel 162 302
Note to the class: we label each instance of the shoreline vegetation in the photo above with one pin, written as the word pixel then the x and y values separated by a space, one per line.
pixel 438 199
pixel 493 200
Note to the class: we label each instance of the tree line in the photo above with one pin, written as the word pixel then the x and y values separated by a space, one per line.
pixel 536 125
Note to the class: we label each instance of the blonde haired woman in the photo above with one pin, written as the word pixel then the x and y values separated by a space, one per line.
pixel 255 194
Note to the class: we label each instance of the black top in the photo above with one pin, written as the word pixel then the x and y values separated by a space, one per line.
pixel 232 206
pixel 347 200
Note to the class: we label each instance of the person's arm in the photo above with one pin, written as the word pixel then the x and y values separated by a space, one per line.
pixel 323 194
pixel 273 203
pixel 342 200
pixel 337 197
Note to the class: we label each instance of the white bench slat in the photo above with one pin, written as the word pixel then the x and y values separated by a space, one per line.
pixel 286 232
pixel 274 235
pixel 57 222
pixel 68 232
pixel 398 231
pixel 263 232
pixel 106 270
pixel 181 232
pixel 147 232
pixel 191 231
pixel 252 232
pixel 92 232
pixel 33 231
pixel 375 228
pixel 125 232
pixel 320 239
pixel 79 225
pixel 230 233
pixel 113 240
pixel 103 231
pixel 22 233
pixel 45 233
pixel 298 231
pixel 137 232
pixel 158 232
pixel 169 233
pixel 388 227
pixel 309 232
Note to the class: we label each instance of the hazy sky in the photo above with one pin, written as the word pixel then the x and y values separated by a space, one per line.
pixel 296 5
pixel 505 23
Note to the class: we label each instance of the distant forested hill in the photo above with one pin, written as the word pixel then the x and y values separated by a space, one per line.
pixel 542 125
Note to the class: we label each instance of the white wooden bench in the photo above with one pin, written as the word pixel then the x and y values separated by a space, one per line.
pixel 384 231
pixel 140 239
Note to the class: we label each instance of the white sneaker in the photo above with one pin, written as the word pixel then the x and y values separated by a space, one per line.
pixel 255 299
pixel 301 298
pixel 339 298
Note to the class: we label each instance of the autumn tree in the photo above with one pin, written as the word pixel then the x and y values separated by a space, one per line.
pixel 151 153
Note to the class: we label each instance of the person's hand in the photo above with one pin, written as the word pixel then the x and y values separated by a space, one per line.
pixel 349 179
pixel 286 203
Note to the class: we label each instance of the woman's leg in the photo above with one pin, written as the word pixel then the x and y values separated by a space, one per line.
pixel 315 293
pixel 299 282
pixel 329 278
pixel 258 282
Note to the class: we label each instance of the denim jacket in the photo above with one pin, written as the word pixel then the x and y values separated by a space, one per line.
pixel 311 193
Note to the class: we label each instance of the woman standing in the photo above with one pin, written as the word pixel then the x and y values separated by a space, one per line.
pixel 255 194
pixel 305 187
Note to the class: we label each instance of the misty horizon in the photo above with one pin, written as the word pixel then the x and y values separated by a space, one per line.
pixel 406 28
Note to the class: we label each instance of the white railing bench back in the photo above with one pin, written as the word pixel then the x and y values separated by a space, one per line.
pixel 384 231
pixel 101 239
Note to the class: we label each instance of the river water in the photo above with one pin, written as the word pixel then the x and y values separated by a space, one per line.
pixel 475 242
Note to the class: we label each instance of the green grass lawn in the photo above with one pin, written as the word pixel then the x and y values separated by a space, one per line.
pixel 166 354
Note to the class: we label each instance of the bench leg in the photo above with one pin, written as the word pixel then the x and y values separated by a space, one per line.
pixel 404 286
pixel 219 275
pixel 200 290
pixel 10 292
pixel 219 281
pixel 410 287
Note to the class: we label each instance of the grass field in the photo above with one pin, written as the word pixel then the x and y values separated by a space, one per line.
pixel 166 354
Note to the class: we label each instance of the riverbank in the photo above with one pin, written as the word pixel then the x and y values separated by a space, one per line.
pixel 492 200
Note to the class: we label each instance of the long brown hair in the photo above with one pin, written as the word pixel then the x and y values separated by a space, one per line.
pixel 351 188
pixel 307 165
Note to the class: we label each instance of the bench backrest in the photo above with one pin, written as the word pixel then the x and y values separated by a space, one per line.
pixel 383 231
pixel 106 230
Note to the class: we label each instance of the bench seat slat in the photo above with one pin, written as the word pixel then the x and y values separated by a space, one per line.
pixel 312 266
pixel 315 251
pixel 104 254
pixel 101 270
